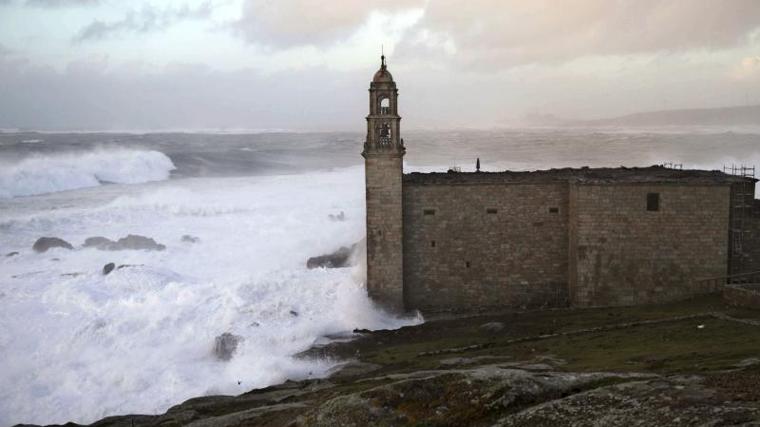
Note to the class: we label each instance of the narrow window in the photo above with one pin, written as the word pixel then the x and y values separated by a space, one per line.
pixel 553 210
pixel 467 264
pixel 428 211
pixel 491 211
pixel 653 201
pixel 432 243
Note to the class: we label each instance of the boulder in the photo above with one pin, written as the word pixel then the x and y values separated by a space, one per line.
pixel 44 243
pixel 10 254
pixel 98 242
pixel 132 241
pixel 225 345
pixel 108 268
pixel 337 259
pixel 190 239
pixel 343 257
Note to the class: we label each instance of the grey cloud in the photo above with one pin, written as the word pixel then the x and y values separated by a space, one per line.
pixel 101 96
pixel 287 23
pixel 59 3
pixel 146 20
pixel 504 33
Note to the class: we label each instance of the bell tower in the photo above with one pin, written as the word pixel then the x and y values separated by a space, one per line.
pixel 383 168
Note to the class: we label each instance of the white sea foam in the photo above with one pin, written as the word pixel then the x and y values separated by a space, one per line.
pixel 40 174
pixel 78 348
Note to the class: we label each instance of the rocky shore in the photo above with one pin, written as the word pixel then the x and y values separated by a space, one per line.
pixel 682 364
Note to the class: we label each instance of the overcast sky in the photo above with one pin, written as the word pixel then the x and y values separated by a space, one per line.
pixel 306 64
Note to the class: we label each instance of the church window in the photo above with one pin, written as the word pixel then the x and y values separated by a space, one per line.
pixel 385 106
pixel 653 202
pixel 384 134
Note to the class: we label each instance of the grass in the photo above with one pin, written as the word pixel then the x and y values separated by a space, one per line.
pixel 670 347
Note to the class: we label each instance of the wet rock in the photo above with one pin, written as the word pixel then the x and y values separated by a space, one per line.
pixel 190 239
pixel 98 242
pixel 131 242
pixel 293 313
pixel 44 243
pixel 343 257
pixel 135 241
pixel 337 259
pixel 10 254
pixel 108 268
pixel 225 345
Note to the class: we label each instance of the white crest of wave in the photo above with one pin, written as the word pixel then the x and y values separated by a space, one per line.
pixel 77 345
pixel 40 174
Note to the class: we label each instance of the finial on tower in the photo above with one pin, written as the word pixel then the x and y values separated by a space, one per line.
pixel 382 57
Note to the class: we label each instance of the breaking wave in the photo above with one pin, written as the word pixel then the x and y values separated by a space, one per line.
pixel 42 174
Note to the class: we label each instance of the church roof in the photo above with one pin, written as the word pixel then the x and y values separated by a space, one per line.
pixel 382 75
pixel 623 175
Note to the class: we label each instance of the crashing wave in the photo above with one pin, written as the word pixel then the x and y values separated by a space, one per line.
pixel 42 174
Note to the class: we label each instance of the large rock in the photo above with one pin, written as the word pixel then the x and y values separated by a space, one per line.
pixel 131 242
pixel 337 259
pixel 225 345
pixel 108 268
pixel 343 257
pixel 97 242
pixel 134 241
pixel 44 243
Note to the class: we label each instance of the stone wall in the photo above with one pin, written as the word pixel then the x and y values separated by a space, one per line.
pixel 476 246
pixel 742 296
pixel 751 244
pixel 383 175
pixel 622 253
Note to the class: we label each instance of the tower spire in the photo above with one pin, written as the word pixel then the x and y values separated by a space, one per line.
pixel 382 57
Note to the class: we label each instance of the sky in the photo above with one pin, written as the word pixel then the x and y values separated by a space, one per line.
pixel 306 65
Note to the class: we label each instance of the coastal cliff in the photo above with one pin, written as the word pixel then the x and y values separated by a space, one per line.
pixel 687 363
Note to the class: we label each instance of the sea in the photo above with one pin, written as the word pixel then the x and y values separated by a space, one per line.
pixel 78 345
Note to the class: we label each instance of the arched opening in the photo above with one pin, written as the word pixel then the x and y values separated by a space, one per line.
pixel 385 106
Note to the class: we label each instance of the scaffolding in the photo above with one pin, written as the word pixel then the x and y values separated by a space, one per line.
pixel 671 165
pixel 742 200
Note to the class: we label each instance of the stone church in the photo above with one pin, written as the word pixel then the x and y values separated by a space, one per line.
pixel 560 237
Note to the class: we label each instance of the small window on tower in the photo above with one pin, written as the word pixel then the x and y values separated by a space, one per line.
pixel 653 201
pixel 553 210
pixel 491 211
pixel 428 211
pixel 432 243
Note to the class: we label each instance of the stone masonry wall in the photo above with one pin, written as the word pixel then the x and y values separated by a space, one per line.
pixel 384 230
pixel 475 246
pixel 623 254
pixel 743 296
pixel 751 243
